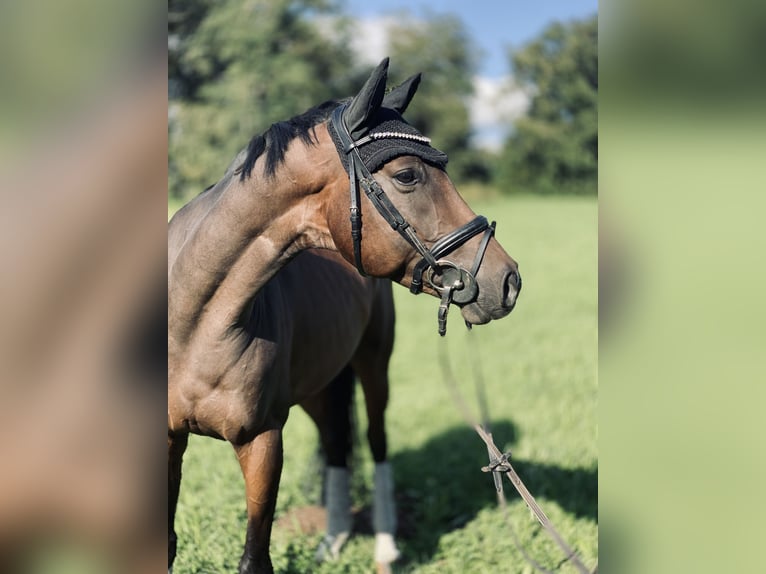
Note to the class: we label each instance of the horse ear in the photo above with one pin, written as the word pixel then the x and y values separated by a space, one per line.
pixel 367 101
pixel 401 96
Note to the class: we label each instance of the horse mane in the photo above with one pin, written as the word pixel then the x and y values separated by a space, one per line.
pixel 275 140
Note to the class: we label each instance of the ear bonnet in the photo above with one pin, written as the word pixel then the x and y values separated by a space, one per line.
pixel 387 120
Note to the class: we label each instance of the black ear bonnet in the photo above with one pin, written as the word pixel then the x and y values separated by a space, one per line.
pixel 378 152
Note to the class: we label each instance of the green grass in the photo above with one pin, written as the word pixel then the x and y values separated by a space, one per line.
pixel 540 370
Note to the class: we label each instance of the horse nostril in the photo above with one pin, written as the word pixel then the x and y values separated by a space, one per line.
pixel 512 289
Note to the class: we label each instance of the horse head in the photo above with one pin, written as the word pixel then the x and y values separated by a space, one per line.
pixel 407 220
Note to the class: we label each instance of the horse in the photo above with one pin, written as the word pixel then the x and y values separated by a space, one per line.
pixel 233 364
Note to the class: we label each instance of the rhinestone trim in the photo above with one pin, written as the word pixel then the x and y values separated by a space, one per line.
pixel 399 135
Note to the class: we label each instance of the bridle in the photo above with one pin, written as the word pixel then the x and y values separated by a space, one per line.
pixel 454 283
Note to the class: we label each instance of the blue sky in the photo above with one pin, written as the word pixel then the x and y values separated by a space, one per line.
pixel 494 25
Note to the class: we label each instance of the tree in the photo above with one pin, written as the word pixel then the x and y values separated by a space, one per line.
pixel 554 148
pixel 440 47
pixel 237 66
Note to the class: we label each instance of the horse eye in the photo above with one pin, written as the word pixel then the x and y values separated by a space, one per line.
pixel 407 177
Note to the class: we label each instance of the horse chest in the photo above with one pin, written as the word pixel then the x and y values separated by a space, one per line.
pixel 228 389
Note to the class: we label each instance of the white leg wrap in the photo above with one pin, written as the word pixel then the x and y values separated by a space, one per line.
pixel 384 514
pixel 338 502
pixel 385 548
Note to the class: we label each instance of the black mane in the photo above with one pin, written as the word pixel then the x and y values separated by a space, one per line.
pixel 275 140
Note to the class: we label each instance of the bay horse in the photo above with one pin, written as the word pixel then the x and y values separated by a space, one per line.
pixel 233 363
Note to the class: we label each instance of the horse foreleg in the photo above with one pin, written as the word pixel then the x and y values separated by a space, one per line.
pixel 375 385
pixel 261 463
pixel 176 447
pixel 331 412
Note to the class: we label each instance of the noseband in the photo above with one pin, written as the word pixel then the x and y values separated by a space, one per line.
pixel 454 283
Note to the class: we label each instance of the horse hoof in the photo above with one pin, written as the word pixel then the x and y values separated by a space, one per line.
pixel 329 547
pixel 382 568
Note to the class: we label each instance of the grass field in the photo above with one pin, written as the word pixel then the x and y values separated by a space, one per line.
pixel 540 370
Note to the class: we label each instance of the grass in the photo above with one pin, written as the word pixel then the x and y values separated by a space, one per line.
pixel 540 371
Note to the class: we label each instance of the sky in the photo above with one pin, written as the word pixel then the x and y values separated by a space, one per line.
pixel 494 27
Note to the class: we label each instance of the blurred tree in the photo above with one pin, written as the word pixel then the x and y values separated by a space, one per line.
pixel 440 47
pixel 554 148
pixel 184 17
pixel 237 66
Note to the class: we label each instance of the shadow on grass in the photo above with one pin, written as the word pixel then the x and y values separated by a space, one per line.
pixel 440 487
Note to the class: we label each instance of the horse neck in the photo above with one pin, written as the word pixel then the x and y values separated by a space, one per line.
pixel 227 244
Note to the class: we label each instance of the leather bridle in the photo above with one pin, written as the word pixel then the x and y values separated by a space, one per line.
pixel 454 283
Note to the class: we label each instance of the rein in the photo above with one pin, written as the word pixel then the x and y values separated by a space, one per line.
pixel 500 463
pixel 454 283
